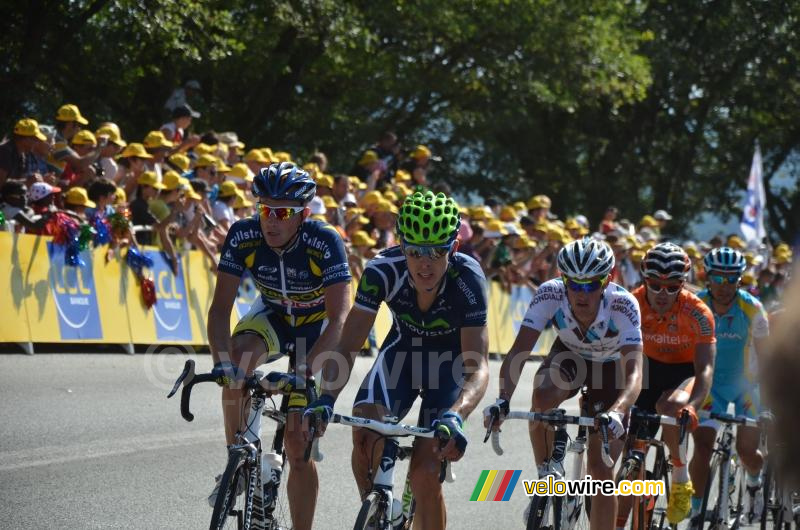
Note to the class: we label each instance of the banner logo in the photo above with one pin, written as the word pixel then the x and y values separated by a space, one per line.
pixel 247 294
pixel 494 485
pixel 171 309
pixel 74 295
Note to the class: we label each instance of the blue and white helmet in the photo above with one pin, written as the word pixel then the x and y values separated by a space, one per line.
pixel 284 181
pixel 724 259
pixel 585 258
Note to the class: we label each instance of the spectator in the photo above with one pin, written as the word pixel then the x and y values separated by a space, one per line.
pixel 241 175
pixel 369 169
pixel 14 205
pixel 158 147
pixel 83 143
pixel 662 217
pixel 242 207
pixel 648 222
pixel 223 206
pixel 15 154
pixel 417 165
pixel 387 150
pixel 42 201
pixel 320 160
pixel 176 130
pixel 179 162
pixel 340 187
pixel 131 166
pixel 183 95
pixel 102 192
pixel 68 124
pixel 539 207
pixel 206 169
pixel 256 159
pixel 106 166
pixel 385 220
pixel 324 185
pixel 147 188
pixel 354 221
pixel 76 201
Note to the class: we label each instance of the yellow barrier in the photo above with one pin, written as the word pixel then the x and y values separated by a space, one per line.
pixel 100 301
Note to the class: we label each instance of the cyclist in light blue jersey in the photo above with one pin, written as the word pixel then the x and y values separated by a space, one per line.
pixel 741 328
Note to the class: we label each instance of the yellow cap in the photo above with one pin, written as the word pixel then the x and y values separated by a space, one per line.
pixel 539 201
pixel 386 206
pixel 172 180
pixel 29 127
pixel 136 150
pixel 542 226
pixel 120 197
pixel 241 202
pixel 554 234
pixel 256 155
pixel 748 279
pixel 371 197
pixel 369 157
pixel 572 224
pixel 282 156
pixel 228 189
pixel 206 161
pixel 390 196
pixel 736 242
pixel 329 202
pixel 71 113
pixel 401 175
pixel 156 140
pixel 84 137
pixel 648 221
pixel 111 131
pixel 312 169
pixel 181 161
pixel 496 226
pixel 362 239
pixel 325 181
pixel 508 214
pixel 79 197
pixel 204 149
pixel 420 152
pixel 354 215
pixel 149 178
pixel 222 167
pixel 241 171
pixel 190 193
pixel 523 243
pixel 520 206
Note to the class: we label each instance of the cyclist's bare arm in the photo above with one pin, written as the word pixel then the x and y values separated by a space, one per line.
pixel 337 304
pixel 353 335
pixel 703 373
pixel 631 356
pixel 475 351
pixel 219 314
pixel 514 361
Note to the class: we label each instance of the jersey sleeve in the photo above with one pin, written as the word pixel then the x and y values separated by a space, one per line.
pixel 230 260
pixel 545 302
pixel 626 315
pixel 760 323
pixel 334 264
pixel 372 289
pixel 472 284
pixel 703 323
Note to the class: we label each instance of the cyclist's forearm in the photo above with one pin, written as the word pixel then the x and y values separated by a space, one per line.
pixel 632 363
pixel 703 374
pixel 219 335
pixel 476 380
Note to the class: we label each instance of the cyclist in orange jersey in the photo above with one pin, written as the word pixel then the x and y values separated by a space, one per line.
pixel 679 348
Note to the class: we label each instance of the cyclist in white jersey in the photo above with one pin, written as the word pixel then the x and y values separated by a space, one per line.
pixel 599 345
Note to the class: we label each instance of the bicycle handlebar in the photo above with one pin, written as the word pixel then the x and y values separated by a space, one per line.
pixel 552 417
pixel 728 418
pixel 638 416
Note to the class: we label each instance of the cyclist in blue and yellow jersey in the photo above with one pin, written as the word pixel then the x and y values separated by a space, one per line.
pixel 300 268
pixel 742 328
pixel 437 347
pixel 599 346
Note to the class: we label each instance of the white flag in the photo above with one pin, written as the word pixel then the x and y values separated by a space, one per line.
pixel 752 225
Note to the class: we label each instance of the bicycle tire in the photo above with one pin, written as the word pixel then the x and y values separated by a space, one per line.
pixel 767 491
pixel 276 497
pixel 545 513
pixel 711 494
pixel 226 495
pixel 371 509
pixel 658 512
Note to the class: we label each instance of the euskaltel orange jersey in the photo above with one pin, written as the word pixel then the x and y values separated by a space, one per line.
pixel 673 337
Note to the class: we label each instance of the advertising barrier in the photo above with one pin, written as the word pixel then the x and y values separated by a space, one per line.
pixel 99 301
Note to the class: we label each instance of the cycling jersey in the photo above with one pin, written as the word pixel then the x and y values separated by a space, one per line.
pixel 292 282
pixel 616 324
pixel 735 330
pixel 673 337
pixel 421 353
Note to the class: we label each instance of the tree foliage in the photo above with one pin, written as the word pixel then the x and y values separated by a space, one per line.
pixel 645 104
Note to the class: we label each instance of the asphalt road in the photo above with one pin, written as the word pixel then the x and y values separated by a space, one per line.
pixel 90 441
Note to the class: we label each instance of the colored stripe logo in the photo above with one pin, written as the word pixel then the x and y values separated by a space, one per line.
pixel 494 485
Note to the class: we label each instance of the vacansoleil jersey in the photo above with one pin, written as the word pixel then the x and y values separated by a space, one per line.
pixel 293 282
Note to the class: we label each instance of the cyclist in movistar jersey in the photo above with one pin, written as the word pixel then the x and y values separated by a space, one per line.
pixel 437 348
pixel 599 345
pixel 742 328
pixel 679 347
pixel 300 268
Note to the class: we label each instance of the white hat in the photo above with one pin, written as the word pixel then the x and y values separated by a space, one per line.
pixel 317 206
pixel 582 220
pixel 662 215
pixel 350 199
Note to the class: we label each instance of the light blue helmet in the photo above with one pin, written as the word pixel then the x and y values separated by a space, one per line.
pixel 724 259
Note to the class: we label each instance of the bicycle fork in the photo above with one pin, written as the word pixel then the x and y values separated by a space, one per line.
pixel 384 484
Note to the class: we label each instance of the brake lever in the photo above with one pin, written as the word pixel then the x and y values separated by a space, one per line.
pixel 188 373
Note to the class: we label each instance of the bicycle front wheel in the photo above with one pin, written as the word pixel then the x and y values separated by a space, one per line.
pixel 710 509
pixel 545 513
pixel 656 509
pixel 373 513
pixel 231 509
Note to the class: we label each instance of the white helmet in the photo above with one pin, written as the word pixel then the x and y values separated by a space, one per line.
pixel 585 258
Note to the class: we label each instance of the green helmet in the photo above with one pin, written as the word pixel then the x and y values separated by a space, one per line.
pixel 428 219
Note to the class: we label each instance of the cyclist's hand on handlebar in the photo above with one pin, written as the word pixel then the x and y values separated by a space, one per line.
pixel 450 425
pixel 228 374
pixel 497 412
pixel 317 414
pixel 693 420
pixel 615 426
